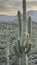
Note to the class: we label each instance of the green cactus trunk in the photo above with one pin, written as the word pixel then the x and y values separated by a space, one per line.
pixel 24 16
pixel 24 22
pixel 24 30
pixel 23 61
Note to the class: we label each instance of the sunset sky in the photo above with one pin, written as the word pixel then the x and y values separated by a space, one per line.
pixel 10 7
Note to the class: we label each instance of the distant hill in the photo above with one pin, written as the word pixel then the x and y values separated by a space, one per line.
pixel 7 17
pixel 31 13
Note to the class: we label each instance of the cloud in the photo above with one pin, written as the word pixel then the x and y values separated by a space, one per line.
pixel 31 0
pixel 31 5
pixel 12 6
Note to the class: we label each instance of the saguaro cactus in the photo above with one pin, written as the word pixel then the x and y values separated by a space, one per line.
pixel 22 50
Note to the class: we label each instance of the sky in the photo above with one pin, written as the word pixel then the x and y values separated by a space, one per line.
pixel 10 7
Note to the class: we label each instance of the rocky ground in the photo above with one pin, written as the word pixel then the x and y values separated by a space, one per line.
pixel 13 37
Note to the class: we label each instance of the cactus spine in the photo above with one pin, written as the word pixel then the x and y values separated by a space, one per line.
pixel 24 49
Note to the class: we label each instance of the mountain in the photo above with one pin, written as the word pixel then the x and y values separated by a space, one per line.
pixel 7 17
pixel 31 13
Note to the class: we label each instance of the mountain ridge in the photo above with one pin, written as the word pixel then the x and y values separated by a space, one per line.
pixel 31 13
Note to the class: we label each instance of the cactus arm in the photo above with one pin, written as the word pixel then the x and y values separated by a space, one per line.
pixel 20 26
pixel 29 26
pixel 20 47
pixel 16 52
pixel 28 49
pixel 26 41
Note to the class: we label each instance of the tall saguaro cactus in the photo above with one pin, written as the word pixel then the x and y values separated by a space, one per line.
pixel 22 50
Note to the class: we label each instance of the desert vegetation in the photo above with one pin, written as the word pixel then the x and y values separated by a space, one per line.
pixel 16 41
